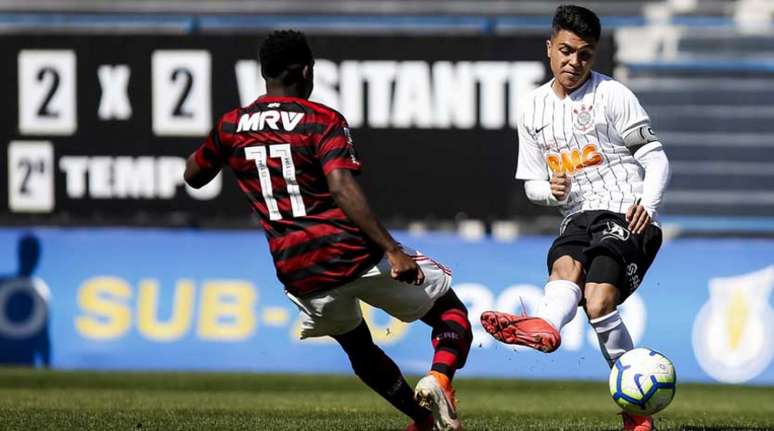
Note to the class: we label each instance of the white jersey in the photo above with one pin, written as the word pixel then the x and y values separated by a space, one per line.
pixel 583 136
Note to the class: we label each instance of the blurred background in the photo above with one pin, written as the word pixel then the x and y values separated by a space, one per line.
pixel 110 262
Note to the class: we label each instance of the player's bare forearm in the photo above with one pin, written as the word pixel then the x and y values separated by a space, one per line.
pixel 351 199
pixel 195 176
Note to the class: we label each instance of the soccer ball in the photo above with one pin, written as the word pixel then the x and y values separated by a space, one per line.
pixel 643 381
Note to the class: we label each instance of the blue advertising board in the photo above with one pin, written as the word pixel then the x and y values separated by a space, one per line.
pixel 209 300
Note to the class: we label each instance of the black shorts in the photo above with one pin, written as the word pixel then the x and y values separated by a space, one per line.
pixel 590 233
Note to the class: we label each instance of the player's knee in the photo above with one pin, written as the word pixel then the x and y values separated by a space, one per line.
pixel 567 268
pixel 455 323
pixel 600 300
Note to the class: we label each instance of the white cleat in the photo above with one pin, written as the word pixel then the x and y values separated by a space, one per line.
pixel 435 393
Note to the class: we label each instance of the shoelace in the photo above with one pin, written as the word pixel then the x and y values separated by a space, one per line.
pixel 523 308
pixel 451 393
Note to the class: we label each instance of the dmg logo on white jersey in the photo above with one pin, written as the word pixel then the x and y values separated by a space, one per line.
pixel 732 332
pixel 260 120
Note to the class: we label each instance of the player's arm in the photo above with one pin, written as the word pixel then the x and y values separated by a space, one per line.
pixel 539 188
pixel 205 163
pixel 650 154
pixel 337 155
pixel 197 176
pixel 633 123
pixel 350 198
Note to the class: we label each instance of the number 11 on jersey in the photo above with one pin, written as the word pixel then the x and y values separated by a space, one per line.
pixel 281 151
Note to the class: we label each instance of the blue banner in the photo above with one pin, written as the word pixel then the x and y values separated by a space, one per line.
pixel 209 300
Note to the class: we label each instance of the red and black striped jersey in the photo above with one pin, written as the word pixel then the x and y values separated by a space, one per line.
pixel 281 149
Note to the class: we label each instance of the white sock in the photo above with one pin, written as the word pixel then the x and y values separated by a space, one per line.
pixel 614 338
pixel 560 303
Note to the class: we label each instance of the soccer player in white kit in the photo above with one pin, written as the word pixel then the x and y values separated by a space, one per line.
pixel 586 147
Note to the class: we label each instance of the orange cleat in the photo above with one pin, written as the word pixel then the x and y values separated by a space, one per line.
pixel 637 423
pixel 423 425
pixel 523 330
pixel 435 392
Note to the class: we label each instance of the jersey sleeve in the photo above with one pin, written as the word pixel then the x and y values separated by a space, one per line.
pixel 530 165
pixel 335 149
pixel 212 153
pixel 624 109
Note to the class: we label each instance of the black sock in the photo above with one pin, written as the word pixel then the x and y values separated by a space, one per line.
pixel 379 372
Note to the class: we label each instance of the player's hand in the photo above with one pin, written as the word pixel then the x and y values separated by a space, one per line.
pixel 638 218
pixel 560 186
pixel 404 268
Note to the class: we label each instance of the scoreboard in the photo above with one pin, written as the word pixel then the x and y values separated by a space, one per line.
pixel 97 128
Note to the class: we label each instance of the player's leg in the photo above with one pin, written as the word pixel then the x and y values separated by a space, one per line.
pixel 438 306
pixel 618 263
pixel 451 336
pixel 337 313
pixel 562 295
pixel 602 297
pixel 379 372
pixel 451 339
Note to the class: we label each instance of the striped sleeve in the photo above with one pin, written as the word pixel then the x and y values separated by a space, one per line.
pixel 211 154
pixel 335 148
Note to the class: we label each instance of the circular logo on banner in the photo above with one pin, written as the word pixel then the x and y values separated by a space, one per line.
pixel 34 321
pixel 731 338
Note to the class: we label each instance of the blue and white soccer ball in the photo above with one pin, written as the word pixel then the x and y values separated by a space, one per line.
pixel 643 381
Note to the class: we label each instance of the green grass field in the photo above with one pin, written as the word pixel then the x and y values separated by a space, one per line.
pixel 47 400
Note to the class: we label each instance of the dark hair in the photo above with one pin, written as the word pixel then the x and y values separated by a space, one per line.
pixel 578 20
pixel 284 50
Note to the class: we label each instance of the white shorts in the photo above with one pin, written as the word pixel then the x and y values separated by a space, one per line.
pixel 337 311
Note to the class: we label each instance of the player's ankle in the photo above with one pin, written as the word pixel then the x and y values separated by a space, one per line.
pixel 442 378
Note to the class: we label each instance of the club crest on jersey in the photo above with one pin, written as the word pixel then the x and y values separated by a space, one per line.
pixel 584 118
pixel 616 231
pixel 269 119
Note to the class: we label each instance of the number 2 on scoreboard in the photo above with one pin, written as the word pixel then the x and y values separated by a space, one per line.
pixel 281 151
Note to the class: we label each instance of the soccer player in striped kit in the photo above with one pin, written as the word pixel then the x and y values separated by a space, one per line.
pixel 294 160
pixel 586 147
